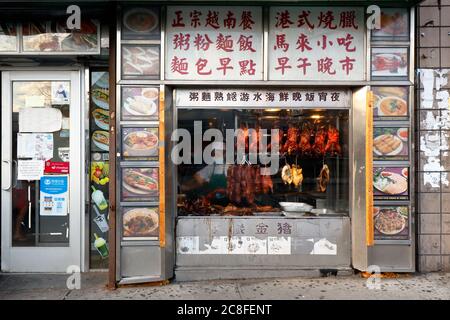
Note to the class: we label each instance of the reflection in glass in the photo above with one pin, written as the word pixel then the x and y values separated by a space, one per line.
pixel 8 37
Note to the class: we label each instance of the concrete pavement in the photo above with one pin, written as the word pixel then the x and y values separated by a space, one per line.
pixel 49 286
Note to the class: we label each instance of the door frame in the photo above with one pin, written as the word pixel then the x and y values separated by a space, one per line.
pixel 58 259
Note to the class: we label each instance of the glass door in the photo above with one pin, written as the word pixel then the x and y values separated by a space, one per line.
pixel 41 171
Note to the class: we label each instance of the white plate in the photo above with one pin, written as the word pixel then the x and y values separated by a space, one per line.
pixel 151 112
pixel 296 206
pixel 140 10
pixel 392 153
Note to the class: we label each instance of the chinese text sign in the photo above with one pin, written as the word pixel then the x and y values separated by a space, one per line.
pixel 214 43
pixel 316 43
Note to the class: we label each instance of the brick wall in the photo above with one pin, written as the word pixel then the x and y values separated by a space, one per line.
pixel 433 202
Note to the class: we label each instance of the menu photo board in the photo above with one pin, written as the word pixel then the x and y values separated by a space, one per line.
pixel 140 184
pixel 140 103
pixel 391 143
pixel 140 223
pixel 140 143
pixel 316 43
pixel 391 222
pixel 390 102
pixel 214 43
pixel 390 183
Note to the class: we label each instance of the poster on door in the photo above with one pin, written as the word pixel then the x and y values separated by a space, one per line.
pixel 54 195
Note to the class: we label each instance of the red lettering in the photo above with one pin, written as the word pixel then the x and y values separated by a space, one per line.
pixel 247 67
pixel 246 20
pixel 178 21
pixel 303 64
pixel 195 18
pixel 347 64
pixel 348 20
pixel 346 42
pixel 202 42
pixel 246 43
pixel 181 41
pixel 224 65
pixel 303 43
pixel 325 65
pixel 282 64
pixel 224 43
pixel 230 21
pixel 283 20
pixel 212 19
pixel 303 19
pixel 281 42
pixel 201 64
pixel 179 65
pixel 326 20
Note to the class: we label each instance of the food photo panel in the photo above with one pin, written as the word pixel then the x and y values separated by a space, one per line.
pixel 390 143
pixel 140 184
pixel 140 103
pixel 389 62
pixel 140 61
pixel 141 23
pixel 394 25
pixel 391 222
pixel 390 102
pixel 390 183
pixel 140 143
pixel 140 223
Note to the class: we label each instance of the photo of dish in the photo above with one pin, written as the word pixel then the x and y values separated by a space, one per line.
pixel 140 181
pixel 140 141
pixel 101 118
pixel 140 222
pixel 100 97
pixel 391 220
pixel 140 60
pixel 140 20
pixel 390 181
pixel 394 23
pixel 390 142
pixel 140 102
pixel 387 144
pixel 390 101
pixel 101 139
pixel 389 62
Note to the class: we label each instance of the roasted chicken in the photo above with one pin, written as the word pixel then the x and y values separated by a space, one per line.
pixel 333 147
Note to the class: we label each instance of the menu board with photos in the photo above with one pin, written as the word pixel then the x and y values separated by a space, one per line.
pixel 141 23
pixel 391 222
pixel 140 143
pixel 140 223
pixel 391 143
pixel 390 183
pixel 140 103
pixel 394 25
pixel 140 184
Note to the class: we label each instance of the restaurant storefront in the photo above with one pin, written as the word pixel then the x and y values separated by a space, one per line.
pixel 205 141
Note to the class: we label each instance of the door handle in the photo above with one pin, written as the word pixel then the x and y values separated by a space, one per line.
pixel 6 188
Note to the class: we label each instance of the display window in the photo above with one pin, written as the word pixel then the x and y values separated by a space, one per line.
pixel 308 173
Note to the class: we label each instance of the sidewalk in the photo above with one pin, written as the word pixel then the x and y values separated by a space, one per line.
pixel 48 286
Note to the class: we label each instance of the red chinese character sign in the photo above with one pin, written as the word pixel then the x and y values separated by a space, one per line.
pixel 214 43
pixel 316 43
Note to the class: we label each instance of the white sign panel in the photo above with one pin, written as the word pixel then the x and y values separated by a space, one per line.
pixel 214 43
pixel 316 43
pixel 35 145
pixel 40 120
pixel 30 169
pixel 339 99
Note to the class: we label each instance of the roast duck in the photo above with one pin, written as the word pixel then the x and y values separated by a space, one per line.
pixel 325 141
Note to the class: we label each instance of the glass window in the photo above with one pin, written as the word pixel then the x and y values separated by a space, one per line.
pixel 310 169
